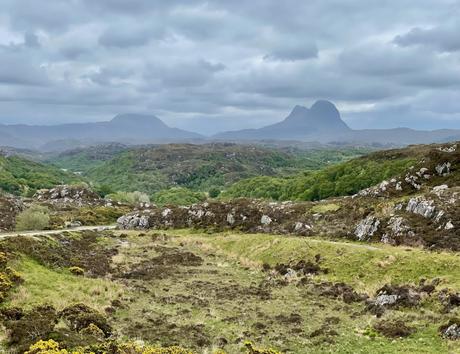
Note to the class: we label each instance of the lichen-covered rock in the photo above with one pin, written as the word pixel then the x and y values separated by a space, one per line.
pixel 451 330
pixel 421 206
pixel 64 195
pixel 367 228
pixel 396 231
pixel 443 169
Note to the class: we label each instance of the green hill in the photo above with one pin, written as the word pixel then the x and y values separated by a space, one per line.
pixel 23 177
pixel 345 178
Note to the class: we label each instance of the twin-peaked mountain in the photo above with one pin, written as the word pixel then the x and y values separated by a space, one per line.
pixel 319 123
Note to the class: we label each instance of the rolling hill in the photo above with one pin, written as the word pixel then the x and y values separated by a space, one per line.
pixel 23 177
pixel 198 167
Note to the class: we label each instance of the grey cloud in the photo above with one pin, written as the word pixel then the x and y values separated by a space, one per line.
pixel 246 61
pixel 443 38
pixel 17 69
pixel 184 73
pixel 129 35
pixel 293 51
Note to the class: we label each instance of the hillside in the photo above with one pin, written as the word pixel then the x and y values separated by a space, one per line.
pixel 197 167
pixel 23 177
pixel 346 178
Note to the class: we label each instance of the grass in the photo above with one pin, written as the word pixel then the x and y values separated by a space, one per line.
pixel 365 266
pixel 60 288
pixel 215 301
pixel 324 208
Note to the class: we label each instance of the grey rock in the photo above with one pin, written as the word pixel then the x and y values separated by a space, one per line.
pixel 421 206
pixel 366 228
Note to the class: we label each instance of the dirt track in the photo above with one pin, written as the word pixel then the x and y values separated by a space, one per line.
pixel 52 232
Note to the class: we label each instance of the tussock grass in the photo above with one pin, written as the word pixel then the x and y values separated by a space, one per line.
pixel 60 288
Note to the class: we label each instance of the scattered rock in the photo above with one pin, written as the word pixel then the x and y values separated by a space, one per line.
pixel 366 228
pixel 451 330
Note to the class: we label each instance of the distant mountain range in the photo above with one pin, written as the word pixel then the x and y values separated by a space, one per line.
pixel 319 123
pixel 322 123
pixel 123 128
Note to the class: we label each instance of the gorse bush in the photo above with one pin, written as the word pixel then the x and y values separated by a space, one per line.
pixel 35 218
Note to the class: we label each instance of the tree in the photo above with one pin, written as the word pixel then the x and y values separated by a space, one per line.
pixel 214 192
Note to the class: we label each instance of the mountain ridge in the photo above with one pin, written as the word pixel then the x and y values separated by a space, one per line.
pixel 123 128
pixel 320 123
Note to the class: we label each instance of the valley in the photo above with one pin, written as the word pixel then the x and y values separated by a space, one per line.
pixel 368 264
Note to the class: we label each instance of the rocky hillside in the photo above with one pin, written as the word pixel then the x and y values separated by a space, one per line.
pixel 198 167
pixel 419 207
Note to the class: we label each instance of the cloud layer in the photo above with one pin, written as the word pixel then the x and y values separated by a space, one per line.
pixel 216 65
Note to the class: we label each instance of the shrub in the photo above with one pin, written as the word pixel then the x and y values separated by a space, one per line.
pixel 77 271
pixel 251 349
pixel 33 325
pixel 35 218
pixel 129 197
pixel 80 316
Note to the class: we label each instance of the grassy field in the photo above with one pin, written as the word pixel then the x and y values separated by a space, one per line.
pixel 209 291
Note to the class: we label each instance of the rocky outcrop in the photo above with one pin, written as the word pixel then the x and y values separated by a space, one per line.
pixel 241 214
pixel 397 231
pixel 421 206
pixel 367 228
pixel 10 206
pixel 64 195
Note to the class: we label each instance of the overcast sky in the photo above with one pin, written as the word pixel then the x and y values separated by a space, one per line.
pixel 227 64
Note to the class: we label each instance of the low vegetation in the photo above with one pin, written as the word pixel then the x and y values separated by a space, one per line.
pixel 178 196
pixel 36 217
pixel 226 292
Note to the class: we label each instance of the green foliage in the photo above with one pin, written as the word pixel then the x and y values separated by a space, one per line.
pixel 104 190
pixel 214 192
pixel 23 177
pixel 178 196
pixel 34 218
pixel 343 179
pixel 130 197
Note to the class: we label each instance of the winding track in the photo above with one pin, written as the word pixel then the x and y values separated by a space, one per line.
pixel 4 235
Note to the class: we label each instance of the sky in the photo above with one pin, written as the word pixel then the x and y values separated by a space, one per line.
pixel 210 66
